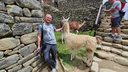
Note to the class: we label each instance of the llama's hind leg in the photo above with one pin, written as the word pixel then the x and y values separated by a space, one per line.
pixel 72 57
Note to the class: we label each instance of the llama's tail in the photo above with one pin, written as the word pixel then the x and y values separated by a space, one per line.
pixel 80 25
pixel 99 40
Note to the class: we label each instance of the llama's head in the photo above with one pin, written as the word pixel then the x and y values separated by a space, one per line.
pixel 65 24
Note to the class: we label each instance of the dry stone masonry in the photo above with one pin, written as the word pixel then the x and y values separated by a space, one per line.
pixel 18 35
pixel 76 10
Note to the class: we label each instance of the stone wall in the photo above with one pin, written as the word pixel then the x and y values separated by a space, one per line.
pixel 76 10
pixel 18 35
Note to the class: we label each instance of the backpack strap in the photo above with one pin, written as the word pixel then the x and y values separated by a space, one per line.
pixel 41 32
pixel 122 5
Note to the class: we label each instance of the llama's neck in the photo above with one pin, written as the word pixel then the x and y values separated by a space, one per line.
pixel 66 32
pixel 67 29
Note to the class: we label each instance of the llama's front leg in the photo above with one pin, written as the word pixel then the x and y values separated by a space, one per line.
pixel 62 41
pixel 89 58
pixel 77 31
pixel 72 57
pixel 62 38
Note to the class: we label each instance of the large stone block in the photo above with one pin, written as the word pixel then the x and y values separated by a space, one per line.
pixel 125 54
pixel 2 70
pixel 94 67
pixel 14 10
pixel 9 61
pixel 30 62
pixel 4 30
pixel 25 59
pixel 21 28
pixel 26 69
pixel 32 4
pixel 15 69
pixel 9 1
pixel 117 46
pixel 124 31
pixel 125 42
pixel 28 20
pixel 27 12
pixel 37 13
pixel 125 48
pixel 105 55
pixel 8 43
pixel 4 18
pixel 125 22
pixel 124 36
pixel 1 54
pixel 107 43
pixel 29 38
pixel 2 6
pixel 121 60
pixel 106 70
pixel 108 39
pixel 25 51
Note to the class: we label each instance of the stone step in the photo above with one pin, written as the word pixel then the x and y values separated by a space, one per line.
pixel 102 65
pixel 125 22
pixel 104 27
pixel 105 23
pixel 125 31
pixel 112 57
pixel 103 34
pixel 106 20
pixel 108 30
pixel 114 45
pixel 124 26
pixel 111 40
pixel 114 50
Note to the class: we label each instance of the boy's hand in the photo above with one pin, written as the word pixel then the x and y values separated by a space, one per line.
pixel 38 49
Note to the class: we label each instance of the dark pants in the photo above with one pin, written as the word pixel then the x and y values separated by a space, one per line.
pixel 115 22
pixel 49 53
pixel 121 14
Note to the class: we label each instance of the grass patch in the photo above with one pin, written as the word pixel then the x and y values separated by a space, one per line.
pixel 64 52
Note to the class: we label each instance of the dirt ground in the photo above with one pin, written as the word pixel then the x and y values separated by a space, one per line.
pixel 113 66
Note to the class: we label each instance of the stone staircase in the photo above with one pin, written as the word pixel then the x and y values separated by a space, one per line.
pixel 112 56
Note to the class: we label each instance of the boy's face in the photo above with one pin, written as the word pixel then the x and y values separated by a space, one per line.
pixel 48 19
pixel 111 1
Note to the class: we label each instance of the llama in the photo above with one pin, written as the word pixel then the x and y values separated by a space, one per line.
pixel 74 42
pixel 74 26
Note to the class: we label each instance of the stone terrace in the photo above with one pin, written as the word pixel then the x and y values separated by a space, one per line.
pixel 112 56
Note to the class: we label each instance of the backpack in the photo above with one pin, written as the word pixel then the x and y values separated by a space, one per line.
pixel 123 2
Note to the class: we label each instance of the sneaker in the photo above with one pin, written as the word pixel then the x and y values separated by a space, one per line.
pixel 111 35
pixel 118 38
pixel 53 70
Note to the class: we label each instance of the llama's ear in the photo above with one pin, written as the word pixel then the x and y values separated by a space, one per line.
pixel 68 18
pixel 63 17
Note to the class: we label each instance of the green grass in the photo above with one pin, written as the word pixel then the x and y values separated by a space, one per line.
pixel 64 52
